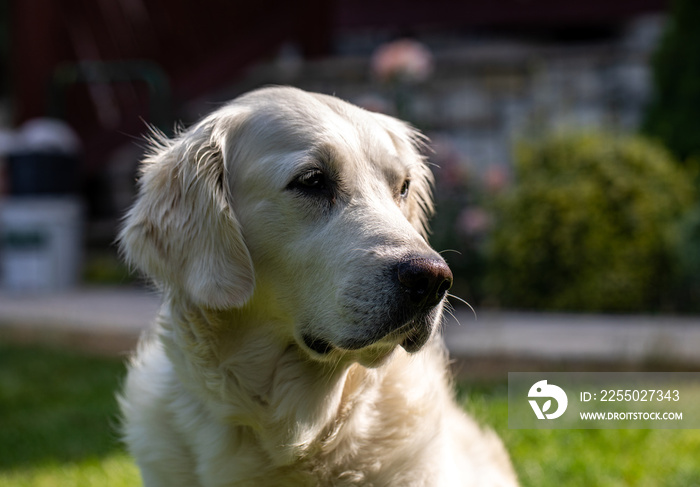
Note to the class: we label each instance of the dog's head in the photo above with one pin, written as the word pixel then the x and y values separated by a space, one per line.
pixel 301 206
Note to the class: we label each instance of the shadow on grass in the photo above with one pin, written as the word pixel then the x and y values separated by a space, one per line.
pixel 56 406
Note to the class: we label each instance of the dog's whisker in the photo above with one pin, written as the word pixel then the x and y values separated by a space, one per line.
pixel 449 312
pixel 332 372
pixel 449 308
pixel 450 250
pixel 463 301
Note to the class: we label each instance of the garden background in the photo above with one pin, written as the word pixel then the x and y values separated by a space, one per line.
pixel 564 140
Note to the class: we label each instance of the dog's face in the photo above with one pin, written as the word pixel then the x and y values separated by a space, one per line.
pixel 303 207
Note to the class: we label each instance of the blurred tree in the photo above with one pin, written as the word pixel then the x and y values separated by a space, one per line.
pixel 588 225
pixel 672 115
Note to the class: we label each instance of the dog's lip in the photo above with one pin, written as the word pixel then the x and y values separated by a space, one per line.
pixel 317 344
pixel 411 337
pixel 415 339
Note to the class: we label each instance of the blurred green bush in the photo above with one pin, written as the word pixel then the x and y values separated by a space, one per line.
pixel 672 114
pixel 686 253
pixel 588 225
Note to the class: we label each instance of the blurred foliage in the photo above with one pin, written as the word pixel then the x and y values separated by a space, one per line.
pixel 105 267
pixel 462 220
pixel 463 253
pixel 588 225
pixel 686 259
pixel 672 115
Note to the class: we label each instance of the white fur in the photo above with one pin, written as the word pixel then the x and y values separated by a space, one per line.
pixel 226 392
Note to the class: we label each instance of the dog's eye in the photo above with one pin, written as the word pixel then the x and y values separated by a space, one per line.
pixel 311 180
pixel 404 188
pixel 312 183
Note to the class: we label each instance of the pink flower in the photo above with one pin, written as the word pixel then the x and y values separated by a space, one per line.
pixel 473 221
pixel 451 173
pixel 404 59
pixel 496 178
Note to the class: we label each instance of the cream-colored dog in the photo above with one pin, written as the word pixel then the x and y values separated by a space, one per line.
pixel 297 344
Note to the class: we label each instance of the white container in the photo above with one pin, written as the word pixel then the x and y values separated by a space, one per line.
pixel 41 243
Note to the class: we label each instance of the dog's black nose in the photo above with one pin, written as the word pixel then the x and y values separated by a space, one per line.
pixel 425 279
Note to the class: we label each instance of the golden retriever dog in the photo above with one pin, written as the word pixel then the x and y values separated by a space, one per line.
pixel 298 340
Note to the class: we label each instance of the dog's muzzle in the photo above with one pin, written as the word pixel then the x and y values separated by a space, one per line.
pixel 420 283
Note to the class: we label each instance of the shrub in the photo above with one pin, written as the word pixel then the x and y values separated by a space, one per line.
pixel 586 226
pixel 672 115
pixel 686 257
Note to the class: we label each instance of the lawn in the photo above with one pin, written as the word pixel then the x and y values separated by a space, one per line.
pixel 58 423
pixel 58 420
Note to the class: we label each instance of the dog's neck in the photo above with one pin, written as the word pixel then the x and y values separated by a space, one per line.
pixel 252 378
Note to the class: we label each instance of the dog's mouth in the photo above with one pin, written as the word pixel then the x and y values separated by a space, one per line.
pixel 416 338
pixel 318 345
pixel 412 336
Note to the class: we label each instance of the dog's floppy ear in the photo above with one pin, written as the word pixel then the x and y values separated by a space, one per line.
pixel 182 231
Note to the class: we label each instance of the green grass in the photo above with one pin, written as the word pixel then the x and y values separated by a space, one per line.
pixel 588 457
pixel 58 423
pixel 58 418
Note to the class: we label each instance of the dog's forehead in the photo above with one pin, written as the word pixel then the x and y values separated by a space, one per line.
pixel 299 129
